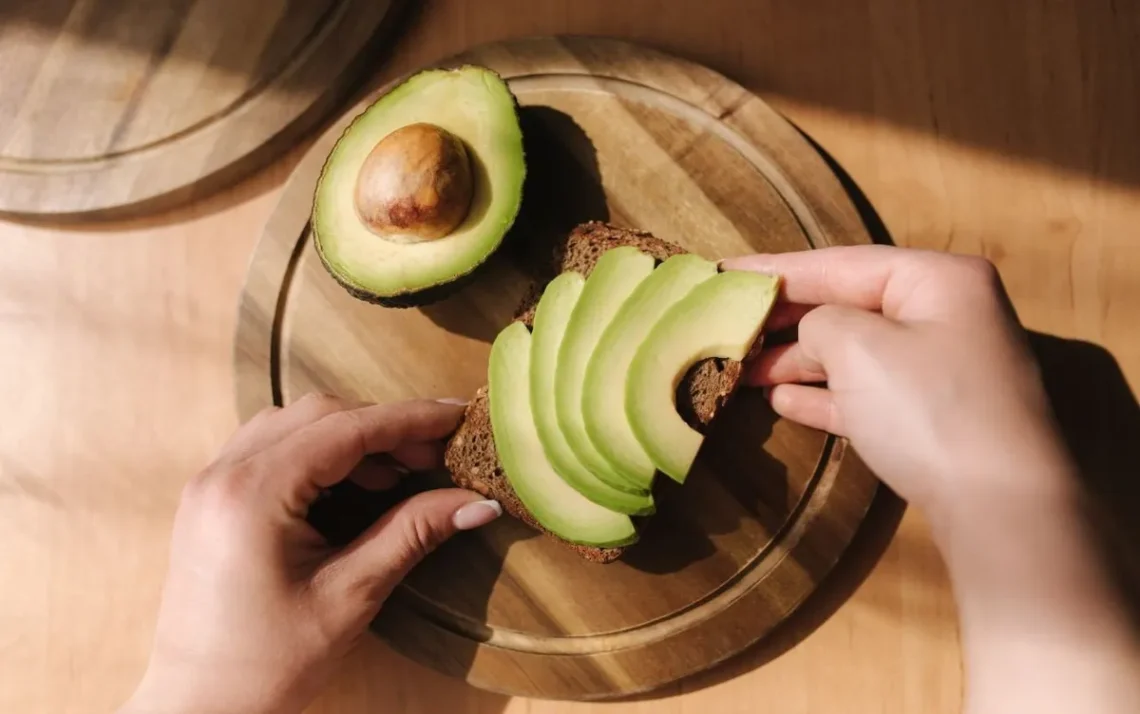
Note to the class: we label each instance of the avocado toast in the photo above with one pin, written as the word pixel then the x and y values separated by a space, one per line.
pixel 474 458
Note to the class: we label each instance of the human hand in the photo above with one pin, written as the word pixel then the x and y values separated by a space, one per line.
pixel 257 608
pixel 927 371
pixel 930 376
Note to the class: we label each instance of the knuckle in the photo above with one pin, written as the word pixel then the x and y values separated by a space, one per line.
pixel 221 490
pixel 826 321
pixel 351 425
pixel 193 488
pixel 319 403
pixel 832 332
pixel 979 269
pixel 420 536
pixel 833 418
pixel 960 272
pixel 814 320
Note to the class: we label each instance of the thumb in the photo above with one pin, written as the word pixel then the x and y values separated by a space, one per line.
pixel 359 578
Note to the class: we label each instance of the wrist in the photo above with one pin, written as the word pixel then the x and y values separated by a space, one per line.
pixel 1021 557
pixel 184 692
pixel 1043 628
pixel 1002 493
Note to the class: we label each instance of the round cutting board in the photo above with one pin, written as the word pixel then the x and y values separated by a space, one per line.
pixel 617 132
pixel 109 103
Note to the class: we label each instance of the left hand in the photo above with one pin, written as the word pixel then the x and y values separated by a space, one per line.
pixel 257 607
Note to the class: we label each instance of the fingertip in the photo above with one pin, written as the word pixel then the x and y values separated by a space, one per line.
pixel 476 514
pixel 782 364
pixel 810 406
pixel 454 401
pixel 759 372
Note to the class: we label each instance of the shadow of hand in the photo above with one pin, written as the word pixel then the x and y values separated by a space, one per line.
pixel 1100 419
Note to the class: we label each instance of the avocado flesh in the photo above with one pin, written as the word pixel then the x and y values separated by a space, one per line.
pixel 615 277
pixel 475 105
pixel 553 502
pixel 721 317
pixel 550 320
pixel 603 403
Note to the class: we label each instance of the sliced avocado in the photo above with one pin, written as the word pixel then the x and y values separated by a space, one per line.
pixel 615 276
pixel 422 187
pixel 553 502
pixel 721 317
pixel 550 321
pixel 603 401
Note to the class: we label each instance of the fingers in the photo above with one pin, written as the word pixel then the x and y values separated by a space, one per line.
pixel 810 406
pixel 870 277
pixel 362 576
pixel 828 335
pixel 832 341
pixel 273 424
pixel 322 453
pixel 785 363
pixel 785 315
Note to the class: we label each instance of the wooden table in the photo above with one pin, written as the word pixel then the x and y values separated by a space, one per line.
pixel 970 126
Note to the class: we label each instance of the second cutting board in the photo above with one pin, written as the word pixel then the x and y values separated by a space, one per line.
pixel 106 104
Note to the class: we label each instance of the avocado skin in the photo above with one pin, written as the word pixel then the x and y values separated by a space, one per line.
pixel 417 298
pixel 441 291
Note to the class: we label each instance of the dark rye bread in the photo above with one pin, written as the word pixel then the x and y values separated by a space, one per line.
pixel 471 457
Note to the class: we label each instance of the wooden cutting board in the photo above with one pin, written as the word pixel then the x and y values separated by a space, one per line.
pixel 110 103
pixel 620 132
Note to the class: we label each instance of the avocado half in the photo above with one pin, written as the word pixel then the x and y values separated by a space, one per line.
pixel 421 188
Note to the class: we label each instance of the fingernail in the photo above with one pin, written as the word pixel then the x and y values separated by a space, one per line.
pixel 454 400
pixel 728 263
pixel 476 514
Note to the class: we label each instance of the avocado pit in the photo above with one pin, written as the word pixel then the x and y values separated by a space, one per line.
pixel 415 182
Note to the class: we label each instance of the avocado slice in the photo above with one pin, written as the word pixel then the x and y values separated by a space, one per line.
pixel 550 320
pixel 720 317
pixel 422 187
pixel 615 276
pixel 554 503
pixel 603 401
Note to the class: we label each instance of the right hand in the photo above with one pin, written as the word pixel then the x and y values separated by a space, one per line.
pixel 927 371
pixel 929 374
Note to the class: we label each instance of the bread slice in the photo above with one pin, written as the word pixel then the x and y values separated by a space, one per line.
pixel 471 457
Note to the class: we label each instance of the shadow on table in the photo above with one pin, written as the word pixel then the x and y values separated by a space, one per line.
pixel 563 188
pixel 1100 418
pixel 864 552
pixel 734 466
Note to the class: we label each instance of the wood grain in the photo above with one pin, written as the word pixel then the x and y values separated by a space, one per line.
pixel 174 97
pixel 639 137
pixel 969 128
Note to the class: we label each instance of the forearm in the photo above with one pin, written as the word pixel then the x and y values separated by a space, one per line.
pixel 225 692
pixel 1043 628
